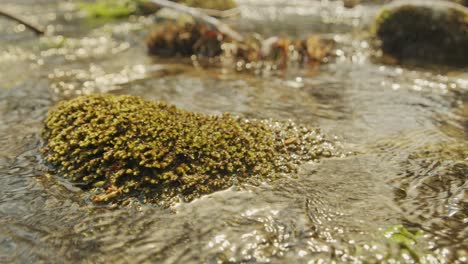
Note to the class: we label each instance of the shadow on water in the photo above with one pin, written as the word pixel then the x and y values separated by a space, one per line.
pixel 407 127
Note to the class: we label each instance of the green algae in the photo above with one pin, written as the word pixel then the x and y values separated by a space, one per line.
pixel 115 9
pixel 127 147
pixel 110 9
pixel 435 32
pixel 396 244
pixel 407 243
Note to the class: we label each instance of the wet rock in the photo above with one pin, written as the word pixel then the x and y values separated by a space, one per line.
pixel 424 32
pixel 122 146
pixel 461 2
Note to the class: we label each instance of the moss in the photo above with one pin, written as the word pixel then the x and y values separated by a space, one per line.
pixel 407 243
pixel 421 32
pixel 127 147
pixel 109 9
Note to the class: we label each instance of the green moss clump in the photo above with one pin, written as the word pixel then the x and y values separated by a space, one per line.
pixel 124 146
pixel 433 32
pixel 407 243
pixel 110 9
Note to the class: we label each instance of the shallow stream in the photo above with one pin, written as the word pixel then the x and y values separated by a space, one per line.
pixel 406 126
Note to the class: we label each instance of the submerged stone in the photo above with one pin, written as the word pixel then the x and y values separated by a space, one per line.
pixel 461 2
pixel 424 32
pixel 123 146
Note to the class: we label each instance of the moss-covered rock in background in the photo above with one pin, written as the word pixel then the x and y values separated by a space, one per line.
pixel 427 32
pixel 461 2
pixel 126 147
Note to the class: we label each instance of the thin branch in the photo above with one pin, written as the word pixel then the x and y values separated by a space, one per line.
pixel 220 13
pixel 202 17
pixel 32 27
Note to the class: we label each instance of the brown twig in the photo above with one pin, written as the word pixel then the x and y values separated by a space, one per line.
pixel 221 13
pixel 202 17
pixel 32 27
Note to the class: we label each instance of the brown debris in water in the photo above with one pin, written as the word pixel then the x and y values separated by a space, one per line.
pixel 171 39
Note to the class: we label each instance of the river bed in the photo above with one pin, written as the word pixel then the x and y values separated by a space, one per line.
pixel 407 128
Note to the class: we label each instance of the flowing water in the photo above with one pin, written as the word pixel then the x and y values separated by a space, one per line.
pixel 407 127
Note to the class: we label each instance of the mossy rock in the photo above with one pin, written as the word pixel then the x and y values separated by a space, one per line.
pixel 123 146
pixel 424 32
pixel 461 2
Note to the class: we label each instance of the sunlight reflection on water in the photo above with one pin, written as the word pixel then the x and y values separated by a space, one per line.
pixel 408 127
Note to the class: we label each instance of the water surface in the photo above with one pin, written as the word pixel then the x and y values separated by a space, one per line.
pixel 407 126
